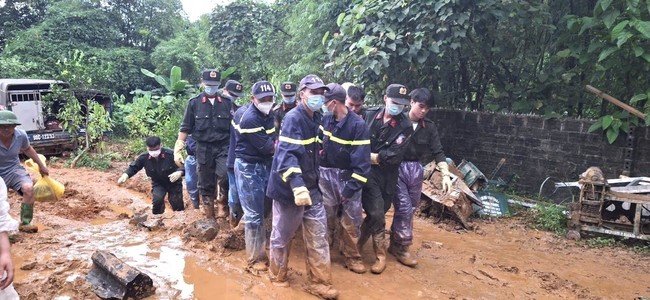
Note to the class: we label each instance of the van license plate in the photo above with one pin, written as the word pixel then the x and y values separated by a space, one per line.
pixel 45 136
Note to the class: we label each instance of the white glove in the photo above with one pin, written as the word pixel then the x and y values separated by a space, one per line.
pixel 447 186
pixel 173 177
pixel 123 178
pixel 301 196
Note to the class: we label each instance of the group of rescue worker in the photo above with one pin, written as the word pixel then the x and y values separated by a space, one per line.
pixel 318 159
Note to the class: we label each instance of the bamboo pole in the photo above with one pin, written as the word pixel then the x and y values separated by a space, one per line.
pixel 616 102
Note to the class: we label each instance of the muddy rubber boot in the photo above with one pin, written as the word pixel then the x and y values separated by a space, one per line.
pixel 323 291
pixel 26 215
pixel 402 254
pixel 223 211
pixel 355 265
pixel 379 244
pixel 208 210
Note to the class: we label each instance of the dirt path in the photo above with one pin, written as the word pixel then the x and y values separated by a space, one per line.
pixel 502 260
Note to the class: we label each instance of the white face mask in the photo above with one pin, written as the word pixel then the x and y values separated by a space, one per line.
pixel 154 153
pixel 264 107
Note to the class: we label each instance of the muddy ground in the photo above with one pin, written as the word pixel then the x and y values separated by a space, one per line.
pixel 503 259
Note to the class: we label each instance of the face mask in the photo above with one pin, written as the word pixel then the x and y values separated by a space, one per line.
pixel 394 109
pixel 289 100
pixel 315 102
pixel 211 89
pixel 154 153
pixel 325 111
pixel 265 107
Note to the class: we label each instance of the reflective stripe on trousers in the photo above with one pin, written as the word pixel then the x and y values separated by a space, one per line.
pixel 407 197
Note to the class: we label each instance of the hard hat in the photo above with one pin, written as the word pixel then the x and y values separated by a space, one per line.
pixel 8 118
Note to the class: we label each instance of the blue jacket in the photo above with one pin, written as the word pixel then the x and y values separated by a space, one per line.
pixel 234 134
pixel 296 158
pixel 346 146
pixel 256 139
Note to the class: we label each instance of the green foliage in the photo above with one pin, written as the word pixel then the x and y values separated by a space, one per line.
pixel 549 216
pixel 158 112
pixel 97 161
pixel 599 242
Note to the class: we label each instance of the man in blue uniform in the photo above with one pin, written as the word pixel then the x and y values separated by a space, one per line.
pixel 159 164
pixel 389 130
pixel 236 211
pixel 288 92
pixel 424 147
pixel 207 118
pixel 233 89
pixel 254 152
pixel 355 98
pixel 344 166
pixel 293 186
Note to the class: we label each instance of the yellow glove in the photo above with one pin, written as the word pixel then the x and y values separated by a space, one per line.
pixel 374 158
pixel 123 178
pixel 173 177
pixel 178 148
pixel 446 177
pixel 301 196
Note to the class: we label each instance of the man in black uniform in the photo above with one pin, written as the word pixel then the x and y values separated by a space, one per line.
pixel 389 131
pixel 423 147
pixel 158 162
pixel 208 118
pixel 288 91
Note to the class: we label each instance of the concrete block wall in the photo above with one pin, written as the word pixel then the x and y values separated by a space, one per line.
pixel 535 148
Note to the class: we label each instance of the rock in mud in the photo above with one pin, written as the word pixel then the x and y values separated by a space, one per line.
pixel 204 230
pixel 138 218
pixel 152 224
pixel 28 266
pixel 232 239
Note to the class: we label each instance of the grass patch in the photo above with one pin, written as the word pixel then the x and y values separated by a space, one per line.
pixel 550 217
pixel 97 161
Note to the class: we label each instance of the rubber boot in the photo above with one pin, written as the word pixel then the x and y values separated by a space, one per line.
pixel 402 254
pixel 363 238
pixel 355 265
pixel 26 215
pixel 255 237
pixel 279 274
pixel 379 244
pixel 323 291
pixel 208 210
pixel 223 211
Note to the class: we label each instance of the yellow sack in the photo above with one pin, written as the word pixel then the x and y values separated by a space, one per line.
pixel 30 165
pixel 48 189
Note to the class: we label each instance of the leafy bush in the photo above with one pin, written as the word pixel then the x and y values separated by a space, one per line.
pixel 551 217
pixel 94 161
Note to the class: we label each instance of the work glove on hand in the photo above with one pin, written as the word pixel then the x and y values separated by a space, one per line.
pixel 173 177
pixel 446 177
pixel 123 178
pixel 178 148
pixel 301 196
pixel 374 158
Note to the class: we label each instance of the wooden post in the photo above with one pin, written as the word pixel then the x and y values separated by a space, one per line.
pixel 111 278
pixel 616 102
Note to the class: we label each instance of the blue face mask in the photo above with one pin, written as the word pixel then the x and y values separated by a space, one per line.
pixel 289 100
pixel 394 109
pixel 315 102
pixel 211 90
